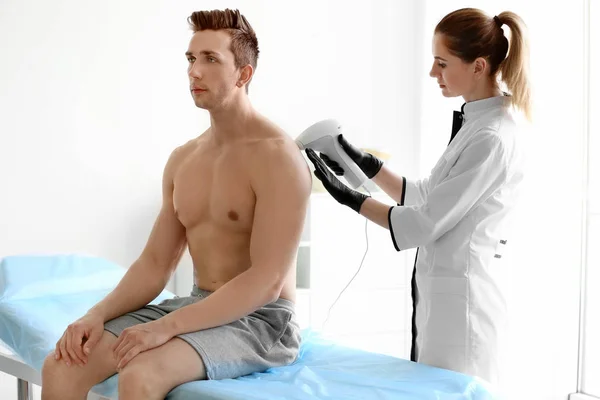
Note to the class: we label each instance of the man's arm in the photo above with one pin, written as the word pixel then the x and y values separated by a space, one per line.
pixel 282 184
pixel 150 273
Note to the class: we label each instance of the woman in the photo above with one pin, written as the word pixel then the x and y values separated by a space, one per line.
pixel 458 216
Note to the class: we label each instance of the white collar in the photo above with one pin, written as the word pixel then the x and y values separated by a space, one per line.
pixel 475 107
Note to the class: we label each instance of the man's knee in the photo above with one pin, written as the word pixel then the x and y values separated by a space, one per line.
pixel 59 382
pixel 63 382
pixel 153 374
pixel 139 380
pixel 53 371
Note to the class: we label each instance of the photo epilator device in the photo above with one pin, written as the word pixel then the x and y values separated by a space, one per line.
pixel 323 137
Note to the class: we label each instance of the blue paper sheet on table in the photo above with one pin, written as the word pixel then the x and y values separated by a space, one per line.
pixel 41 294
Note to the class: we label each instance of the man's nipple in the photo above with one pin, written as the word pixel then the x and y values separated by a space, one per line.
pixel 233 215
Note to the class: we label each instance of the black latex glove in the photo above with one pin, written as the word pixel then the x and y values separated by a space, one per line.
pixel 367 162
pixel 342 193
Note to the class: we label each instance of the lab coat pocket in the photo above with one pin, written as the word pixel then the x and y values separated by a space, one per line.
pixel 448 311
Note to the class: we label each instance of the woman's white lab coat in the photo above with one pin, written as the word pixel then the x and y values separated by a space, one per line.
pixel 458 218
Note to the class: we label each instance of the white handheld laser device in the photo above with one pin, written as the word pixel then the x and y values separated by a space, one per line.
pixel 322 137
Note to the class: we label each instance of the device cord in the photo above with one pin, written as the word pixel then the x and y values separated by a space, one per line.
pixel 357 271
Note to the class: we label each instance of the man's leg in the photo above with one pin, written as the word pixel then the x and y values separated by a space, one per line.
pixel 152 374
pixel 60 382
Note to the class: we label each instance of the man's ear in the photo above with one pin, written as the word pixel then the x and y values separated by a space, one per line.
pixel 479 67
pixel 246 74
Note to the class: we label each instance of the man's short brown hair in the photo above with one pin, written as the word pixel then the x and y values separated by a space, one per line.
pixel 244 44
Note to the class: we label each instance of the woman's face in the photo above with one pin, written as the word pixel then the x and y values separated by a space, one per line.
pixel 455 77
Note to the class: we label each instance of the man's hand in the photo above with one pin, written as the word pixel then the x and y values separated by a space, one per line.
pixel 367 162
pixel 343 194
pixel 79 339
pixel 137 339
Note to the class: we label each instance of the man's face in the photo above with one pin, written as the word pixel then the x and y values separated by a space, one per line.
pixel 211 69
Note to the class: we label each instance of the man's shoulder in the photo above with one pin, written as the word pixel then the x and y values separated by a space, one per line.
pixel 267 131
pixel 274 142
pixel 277 156
pixel 180 152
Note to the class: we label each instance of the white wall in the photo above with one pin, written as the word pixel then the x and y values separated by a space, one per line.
pixel 93 103
pixel 591 338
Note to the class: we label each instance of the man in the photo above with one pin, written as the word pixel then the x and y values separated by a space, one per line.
pixel 237 197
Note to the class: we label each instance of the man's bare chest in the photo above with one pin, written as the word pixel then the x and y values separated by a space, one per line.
pixel 214 188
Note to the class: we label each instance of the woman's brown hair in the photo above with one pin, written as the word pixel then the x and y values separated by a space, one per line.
pixel 469 33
